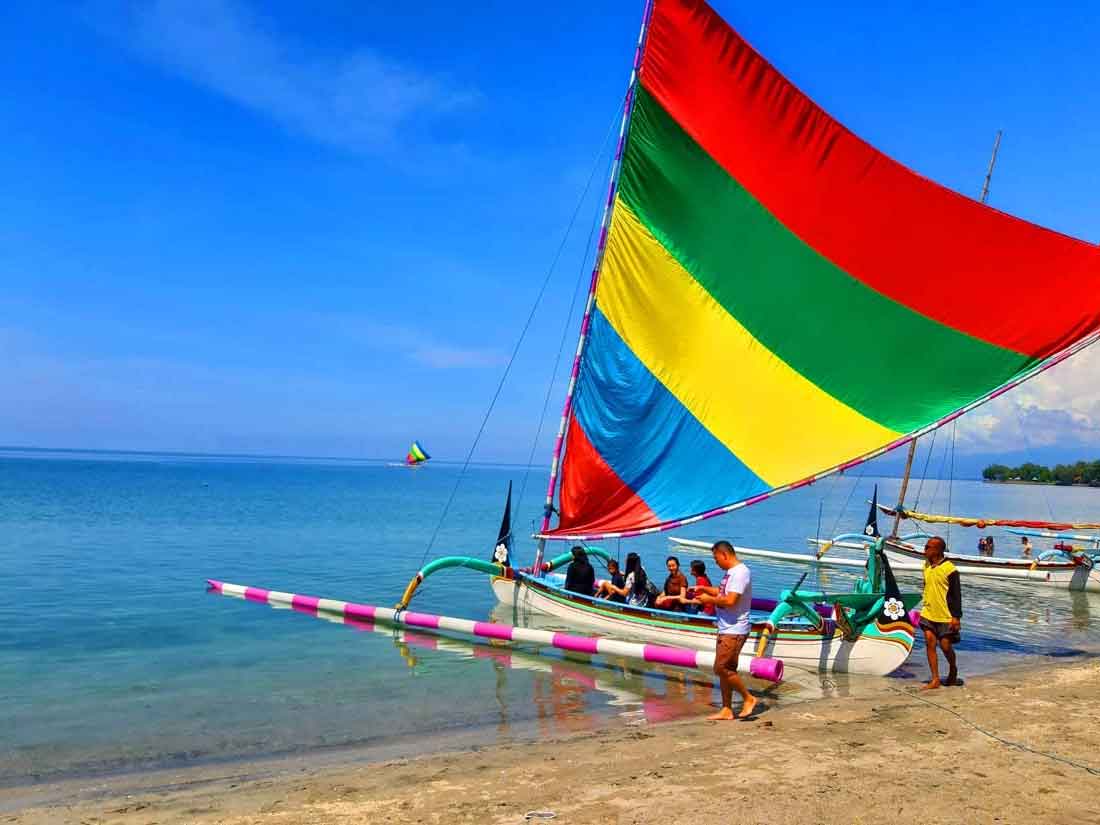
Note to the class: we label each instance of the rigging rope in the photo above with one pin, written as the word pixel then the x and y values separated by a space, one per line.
pixel 924 472
pixel 951 479
pixel 581 279
pixel 515 351
pixel 992 735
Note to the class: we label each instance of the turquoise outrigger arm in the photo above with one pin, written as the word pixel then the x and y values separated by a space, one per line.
pixel 491 568
pixel 565 558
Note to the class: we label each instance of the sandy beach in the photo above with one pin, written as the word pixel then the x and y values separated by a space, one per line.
pixel 887 756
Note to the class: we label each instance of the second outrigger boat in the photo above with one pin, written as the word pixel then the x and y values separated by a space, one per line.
pixel 760 271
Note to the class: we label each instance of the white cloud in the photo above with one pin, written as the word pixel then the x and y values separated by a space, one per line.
pixel 417 345
pixel 361 100
pixel 1060 406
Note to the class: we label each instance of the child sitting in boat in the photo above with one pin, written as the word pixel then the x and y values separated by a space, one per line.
pixel 675 587
pixel 692 604
pixel 579 576
pixel 609 588
pixel 634 590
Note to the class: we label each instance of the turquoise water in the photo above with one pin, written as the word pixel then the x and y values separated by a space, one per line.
pixel 113 657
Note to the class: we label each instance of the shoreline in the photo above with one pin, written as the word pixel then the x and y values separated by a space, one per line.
pixel 840 759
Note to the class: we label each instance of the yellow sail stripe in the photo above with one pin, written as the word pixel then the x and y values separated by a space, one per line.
pixel 773 419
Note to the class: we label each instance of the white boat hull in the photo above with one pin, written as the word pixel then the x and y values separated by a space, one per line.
pixel 1066 576
pixel 880 650
pixel 906 559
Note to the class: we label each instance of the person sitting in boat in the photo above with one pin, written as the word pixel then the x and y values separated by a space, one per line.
pixel 608 588
pixel 689 600
pixel 941 614
pixel 579 576
pixel 634 590
pixel 1025 548
pixel 676 585
pixel 989 545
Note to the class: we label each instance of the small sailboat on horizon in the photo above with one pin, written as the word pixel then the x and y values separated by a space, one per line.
pixel 416 457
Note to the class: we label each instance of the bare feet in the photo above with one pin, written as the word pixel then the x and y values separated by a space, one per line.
pixel 935 683
pixel 747 707
pixel 724 715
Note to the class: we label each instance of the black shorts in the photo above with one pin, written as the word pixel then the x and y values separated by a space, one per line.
pixel 941 630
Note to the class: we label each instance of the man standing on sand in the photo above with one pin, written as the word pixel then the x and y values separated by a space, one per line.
pixel 732 601
pixel 941 614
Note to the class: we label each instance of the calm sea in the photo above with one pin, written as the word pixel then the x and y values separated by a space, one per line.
pixel 114 658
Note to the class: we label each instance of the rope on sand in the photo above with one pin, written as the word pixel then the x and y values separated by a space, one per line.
pixel 996 737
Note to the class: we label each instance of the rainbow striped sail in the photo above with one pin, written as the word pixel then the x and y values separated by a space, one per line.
pixel 777 300
pixel 416 454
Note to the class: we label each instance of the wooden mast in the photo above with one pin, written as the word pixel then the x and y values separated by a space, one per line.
pixel 913 444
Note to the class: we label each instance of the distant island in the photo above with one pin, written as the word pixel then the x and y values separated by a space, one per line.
pixel 1081 474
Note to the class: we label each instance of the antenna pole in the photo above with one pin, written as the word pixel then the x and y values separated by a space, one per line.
pixel 989 171
pixel 609 206
pixel 913 444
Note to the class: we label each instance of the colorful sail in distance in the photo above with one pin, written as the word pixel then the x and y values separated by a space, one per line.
pixel 416 454
pixel 779 300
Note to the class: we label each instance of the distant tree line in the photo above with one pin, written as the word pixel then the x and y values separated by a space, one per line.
pixel 1083 472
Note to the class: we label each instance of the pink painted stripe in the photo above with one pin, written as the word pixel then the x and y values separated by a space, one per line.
pixel 420 619
pixel 307 604
pixel 363 612
pixel 420 640
pixel 256 594
pixel 670 655
pixel 580 644
pixel 493 631
pixel 358 625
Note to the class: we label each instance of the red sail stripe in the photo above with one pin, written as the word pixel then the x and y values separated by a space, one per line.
pixel 980 271
pixel 586 478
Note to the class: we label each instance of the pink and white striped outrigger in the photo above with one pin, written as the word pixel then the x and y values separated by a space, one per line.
pixel 770 669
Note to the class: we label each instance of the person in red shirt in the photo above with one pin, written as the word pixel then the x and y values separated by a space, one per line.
pixel 699 571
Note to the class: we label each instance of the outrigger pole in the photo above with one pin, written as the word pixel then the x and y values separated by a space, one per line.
pixel 770 669
pixel 605 223
pixel 982 198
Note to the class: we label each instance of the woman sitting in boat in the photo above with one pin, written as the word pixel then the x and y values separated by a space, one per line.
pixel 676 585
pixel 610 588
pixel 634 588
pixel 579 576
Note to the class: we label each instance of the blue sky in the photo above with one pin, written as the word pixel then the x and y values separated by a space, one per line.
pixel 241 227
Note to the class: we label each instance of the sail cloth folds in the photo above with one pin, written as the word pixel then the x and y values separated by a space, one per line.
pixel 778 299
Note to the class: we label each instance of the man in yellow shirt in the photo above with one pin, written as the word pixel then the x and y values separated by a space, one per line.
pixel 941 614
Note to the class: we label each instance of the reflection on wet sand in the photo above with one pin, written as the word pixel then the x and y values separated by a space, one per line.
pixel 567 687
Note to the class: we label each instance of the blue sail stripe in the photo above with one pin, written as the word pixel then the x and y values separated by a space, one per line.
pixel 650 439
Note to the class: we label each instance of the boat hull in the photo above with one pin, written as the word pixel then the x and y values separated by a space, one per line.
pixel 881 649
pixel 1064 575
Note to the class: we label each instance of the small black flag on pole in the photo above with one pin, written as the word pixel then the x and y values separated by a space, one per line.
pixel 502 550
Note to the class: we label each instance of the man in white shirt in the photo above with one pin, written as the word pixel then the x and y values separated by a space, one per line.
pixel 732 601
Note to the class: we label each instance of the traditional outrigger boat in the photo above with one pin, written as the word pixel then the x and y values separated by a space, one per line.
pixel 1065 566
pixel 698 388
pixel 416 457
pixel 759 271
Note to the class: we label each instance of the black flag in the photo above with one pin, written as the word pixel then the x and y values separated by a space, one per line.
pixel 871 529
pixel 502 550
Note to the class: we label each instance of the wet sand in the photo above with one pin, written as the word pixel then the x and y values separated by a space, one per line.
pixel 886 756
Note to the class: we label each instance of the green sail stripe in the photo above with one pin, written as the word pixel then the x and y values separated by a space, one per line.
pixel 892 364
